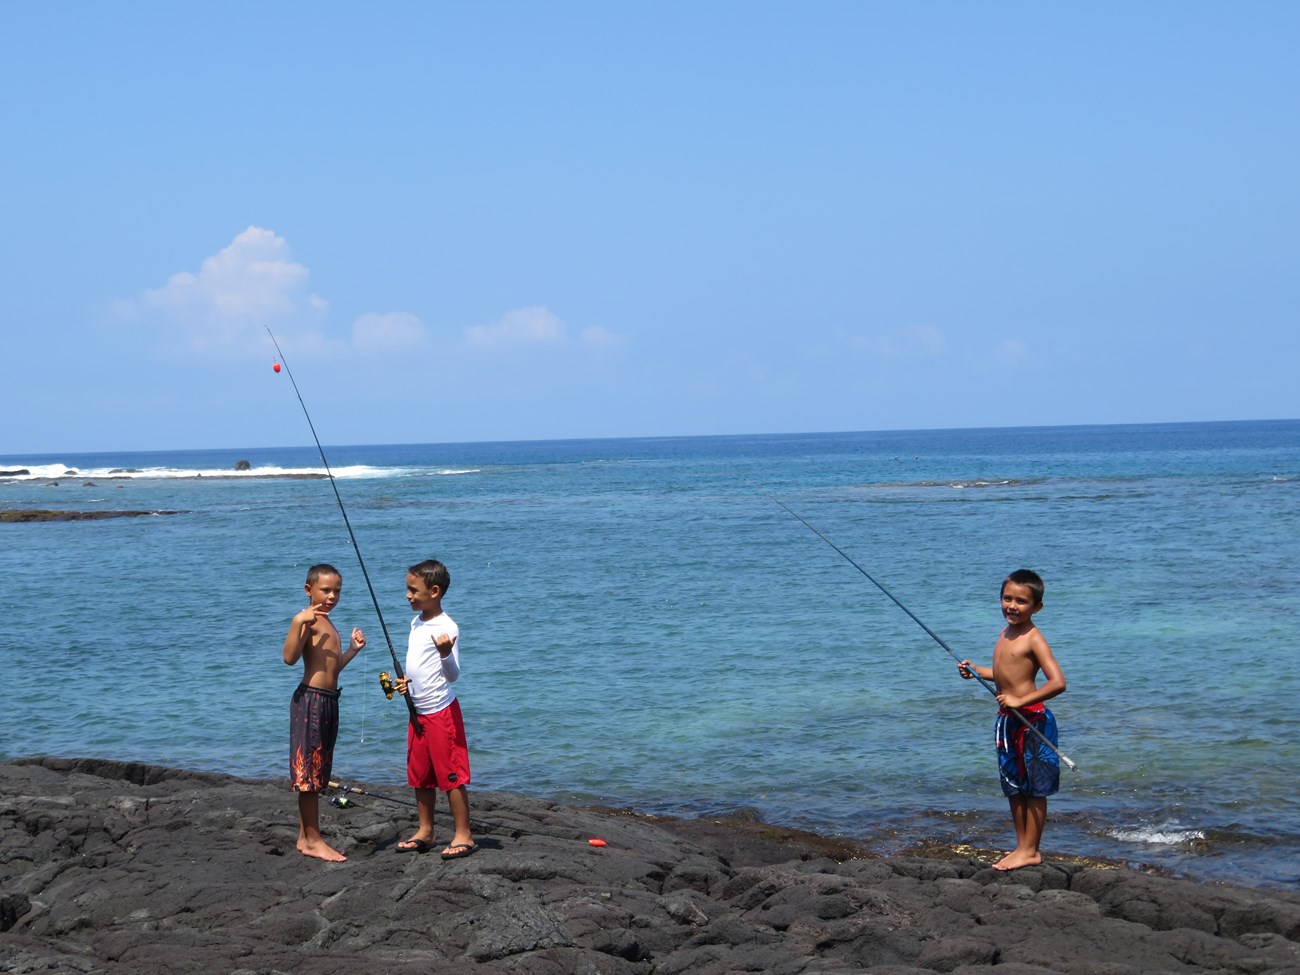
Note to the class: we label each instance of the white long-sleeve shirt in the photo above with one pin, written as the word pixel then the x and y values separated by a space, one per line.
pixel 431 674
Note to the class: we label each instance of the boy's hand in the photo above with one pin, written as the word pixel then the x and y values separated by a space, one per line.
pixel 443 644
pixel 966 669
pixel 358 639
pixel 401 684
pixel 313 614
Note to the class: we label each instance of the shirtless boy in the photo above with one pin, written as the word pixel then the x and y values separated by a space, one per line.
pixel 1030 771
pixel 314 710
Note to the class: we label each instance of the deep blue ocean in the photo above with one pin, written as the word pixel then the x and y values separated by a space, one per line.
pixel 643 625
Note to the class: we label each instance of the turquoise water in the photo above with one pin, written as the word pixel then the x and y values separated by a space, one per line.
pixel 642 625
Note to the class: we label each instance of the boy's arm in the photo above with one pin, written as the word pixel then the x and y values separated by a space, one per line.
pixel 295 641
pixel 354 648
pixel 445 644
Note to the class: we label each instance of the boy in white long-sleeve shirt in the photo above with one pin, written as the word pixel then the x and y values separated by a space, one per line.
pixel 437 758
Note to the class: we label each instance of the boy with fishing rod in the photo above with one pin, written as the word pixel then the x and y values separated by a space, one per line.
pixel 437 756
pixel 314 709
pixel 1028 762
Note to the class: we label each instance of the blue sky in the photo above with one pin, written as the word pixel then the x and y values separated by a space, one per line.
pixel 528 221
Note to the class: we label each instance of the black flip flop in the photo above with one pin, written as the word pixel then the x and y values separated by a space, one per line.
pixel 458 851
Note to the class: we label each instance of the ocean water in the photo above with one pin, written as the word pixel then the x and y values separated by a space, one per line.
pixel 643 625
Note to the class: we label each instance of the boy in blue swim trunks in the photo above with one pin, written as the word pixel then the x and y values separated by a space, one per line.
pixel 1029 769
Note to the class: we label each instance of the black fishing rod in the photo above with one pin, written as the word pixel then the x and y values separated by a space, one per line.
pixel 514 832
pixel 397 667
pixel 343 802
pixel 917 620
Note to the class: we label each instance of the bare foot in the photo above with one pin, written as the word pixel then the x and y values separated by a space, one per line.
pixel 320 850
pixel 1015 860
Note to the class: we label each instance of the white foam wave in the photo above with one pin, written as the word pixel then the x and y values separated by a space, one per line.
pixel 1168 834
pixel 48 472
pixel 979 484
pixel 35 471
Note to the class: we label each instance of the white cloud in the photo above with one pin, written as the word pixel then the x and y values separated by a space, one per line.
pixel 520 326
pixel 396 331
pixel 537 326
pixel 254 283
pixel 250 283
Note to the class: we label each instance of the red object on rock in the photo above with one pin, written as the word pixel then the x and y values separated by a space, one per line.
pixel 596 841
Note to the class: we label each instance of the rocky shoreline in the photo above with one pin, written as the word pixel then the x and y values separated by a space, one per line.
pixel 118 867
pixel 22 516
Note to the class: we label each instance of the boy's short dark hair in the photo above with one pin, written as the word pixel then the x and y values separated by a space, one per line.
pixel 434 573
pixel 322 569
pixel 1028 578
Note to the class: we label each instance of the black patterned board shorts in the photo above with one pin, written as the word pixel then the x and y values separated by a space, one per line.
pixel 313 729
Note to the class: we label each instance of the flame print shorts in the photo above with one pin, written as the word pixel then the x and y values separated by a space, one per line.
pixel 313 728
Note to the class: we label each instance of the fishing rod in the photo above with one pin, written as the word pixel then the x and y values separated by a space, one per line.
pixel 937 639
pixel 514 832
pixel 347 790
pixel 397 667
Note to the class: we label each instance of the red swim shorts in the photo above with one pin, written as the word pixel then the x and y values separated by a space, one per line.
pixel 439 758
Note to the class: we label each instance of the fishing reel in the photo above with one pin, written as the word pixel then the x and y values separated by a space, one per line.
pixel 386 683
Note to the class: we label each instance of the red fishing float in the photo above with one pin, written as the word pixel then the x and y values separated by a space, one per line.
pixel 275 366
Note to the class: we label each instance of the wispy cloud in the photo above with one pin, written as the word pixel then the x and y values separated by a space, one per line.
pixel 537 326
pixel 598 336
pixel 1011 352
pixel 907 342
pixel 396 331
pixel 520 326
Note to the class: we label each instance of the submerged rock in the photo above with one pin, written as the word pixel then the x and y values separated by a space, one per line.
pixel 37 514
pixel 117 867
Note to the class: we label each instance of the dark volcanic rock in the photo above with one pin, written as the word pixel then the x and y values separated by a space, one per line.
pixel 116 867
pixel 16 472
pixel 243 465
pixel 37 514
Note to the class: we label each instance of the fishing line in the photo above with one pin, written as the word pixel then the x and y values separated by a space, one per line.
pixel 514 832
pixel 397 667
pixel 917 620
